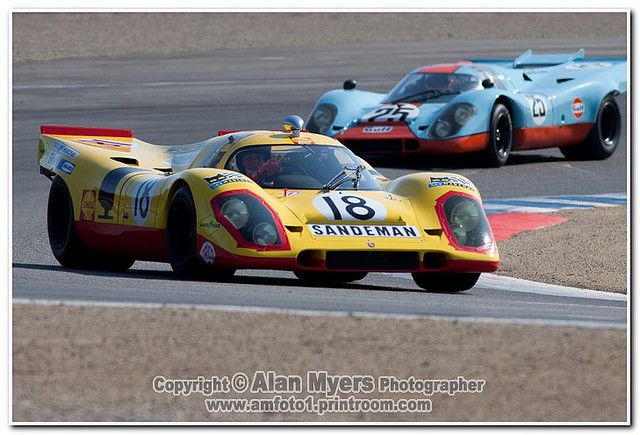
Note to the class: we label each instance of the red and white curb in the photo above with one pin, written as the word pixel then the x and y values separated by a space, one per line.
pixel 515 215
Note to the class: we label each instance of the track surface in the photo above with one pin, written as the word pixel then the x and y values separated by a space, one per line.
pixel 181 100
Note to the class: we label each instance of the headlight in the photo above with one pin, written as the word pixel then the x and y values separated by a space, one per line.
pixel 459 233
pixel 464 221
pixel 442 128
pixel 452 120
pixel 466 215
pixel 462 114
pixel 322 118
pixel 236 212
pixel 264 234
pixel 250 220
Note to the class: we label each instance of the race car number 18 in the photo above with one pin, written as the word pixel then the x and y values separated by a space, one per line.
pixel 335 206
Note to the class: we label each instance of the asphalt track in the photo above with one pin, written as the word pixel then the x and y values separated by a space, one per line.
pixel 187 99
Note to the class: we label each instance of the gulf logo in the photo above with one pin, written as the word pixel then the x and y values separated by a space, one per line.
pixel 577 107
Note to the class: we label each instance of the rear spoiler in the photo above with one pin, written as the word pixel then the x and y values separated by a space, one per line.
pixel 84 131
pixel 529 59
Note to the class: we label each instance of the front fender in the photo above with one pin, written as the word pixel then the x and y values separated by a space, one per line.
pixel 348 104
pixel 207 183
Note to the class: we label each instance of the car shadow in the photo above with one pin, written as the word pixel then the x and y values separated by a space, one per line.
pixel 236 279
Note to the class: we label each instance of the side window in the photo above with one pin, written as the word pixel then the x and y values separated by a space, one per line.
pixel 231 164
pixel 487 73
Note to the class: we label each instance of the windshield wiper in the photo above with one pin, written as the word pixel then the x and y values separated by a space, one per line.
pixel 348 171
pixel 431 93
pixel 428 95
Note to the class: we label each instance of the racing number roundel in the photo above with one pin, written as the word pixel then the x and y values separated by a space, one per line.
pixel 392 113
pixel 349 207
pixel 538 109
pixel 141 200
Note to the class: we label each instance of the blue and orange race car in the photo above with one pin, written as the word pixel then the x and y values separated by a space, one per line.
pixel 491 106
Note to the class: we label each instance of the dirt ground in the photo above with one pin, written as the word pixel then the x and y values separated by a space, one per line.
pixel 588 251
pixel 46 36
pixel 97 364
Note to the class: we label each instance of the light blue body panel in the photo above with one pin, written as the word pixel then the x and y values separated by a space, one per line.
pixel 544 90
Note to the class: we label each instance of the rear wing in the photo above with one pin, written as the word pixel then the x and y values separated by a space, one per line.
pixel 63 130
pixel 60 146
pixel 530 60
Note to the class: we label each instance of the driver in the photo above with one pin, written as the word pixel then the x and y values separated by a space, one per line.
pixel 439 82
pixel 258 163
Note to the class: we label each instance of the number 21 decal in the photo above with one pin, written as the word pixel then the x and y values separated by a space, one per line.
pixel 339 207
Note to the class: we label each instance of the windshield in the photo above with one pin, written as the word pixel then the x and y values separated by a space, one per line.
pixel 300 167
pixel 426 86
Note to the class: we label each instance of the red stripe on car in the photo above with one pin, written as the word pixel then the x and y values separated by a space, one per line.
pixel 84 131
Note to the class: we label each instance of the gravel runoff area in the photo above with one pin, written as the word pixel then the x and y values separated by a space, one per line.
pixel 74 363
pixel 588 251
pixel 46 36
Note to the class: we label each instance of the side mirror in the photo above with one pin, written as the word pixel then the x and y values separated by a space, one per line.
pixel 487 83
pixel 349 85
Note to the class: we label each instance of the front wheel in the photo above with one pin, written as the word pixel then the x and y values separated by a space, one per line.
pixel 314 276
pixel 445 282
pixel 500 137
pixel 604 136
pixel 182 239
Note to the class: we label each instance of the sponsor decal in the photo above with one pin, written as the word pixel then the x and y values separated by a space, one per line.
pixel 394 231
pixel 302 140
pixel 588 65
pixel 392 113
pixel 142 199
pixel 62 148
pixel 53 159
pixel 538 108
pixel 577 107
pixel 223 178
pixel 88 205
pixel 207 253
pixel 209 225
pixel 66 166
pixel 106 143
pixel 348 207
pixel 451 181
pixel 377 129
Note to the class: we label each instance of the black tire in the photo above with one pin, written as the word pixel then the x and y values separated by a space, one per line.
pixel 63 238
pixel 181 239
pixel 313 276
pixel 500 143
pixel 445 282
pixel 604 136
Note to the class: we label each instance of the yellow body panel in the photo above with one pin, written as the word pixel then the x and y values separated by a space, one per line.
pixel 127 185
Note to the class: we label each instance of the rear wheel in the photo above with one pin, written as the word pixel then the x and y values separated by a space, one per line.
pixel 63 237
pixel 604 136
pixel 500 137
pixel 445 282
pixel 182 239
pixel 314 276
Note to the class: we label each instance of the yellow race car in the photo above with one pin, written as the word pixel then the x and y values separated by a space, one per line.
pixel 288 200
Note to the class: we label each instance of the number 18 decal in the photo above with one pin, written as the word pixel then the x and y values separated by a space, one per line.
pixel 347 207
